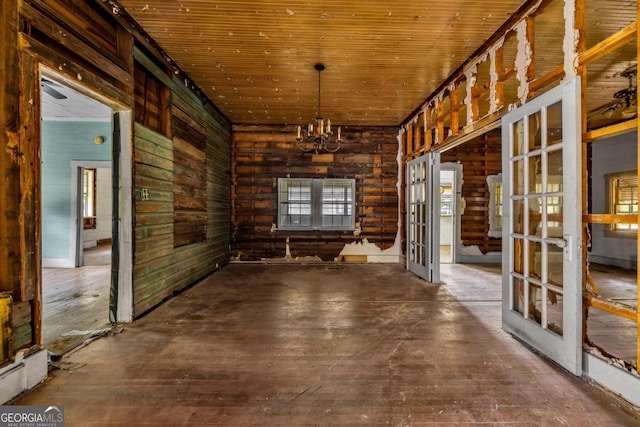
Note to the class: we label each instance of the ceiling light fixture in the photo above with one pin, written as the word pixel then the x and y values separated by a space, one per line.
pixel 318 136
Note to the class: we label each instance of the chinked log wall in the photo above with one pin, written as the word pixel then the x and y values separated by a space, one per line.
pixel 84 41
pixel 262 154
pixel 480 158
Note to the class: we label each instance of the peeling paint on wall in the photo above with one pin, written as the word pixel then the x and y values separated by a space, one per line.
pixel 571 39
pixel 494 76
pixel 471 77
pixel 523 60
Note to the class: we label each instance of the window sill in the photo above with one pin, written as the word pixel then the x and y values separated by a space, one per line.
pixel 307 230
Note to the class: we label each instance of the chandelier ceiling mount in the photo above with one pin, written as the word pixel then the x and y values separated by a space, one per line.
pixel 318 136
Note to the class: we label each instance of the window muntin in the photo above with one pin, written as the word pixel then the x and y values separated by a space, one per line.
pixel 316 203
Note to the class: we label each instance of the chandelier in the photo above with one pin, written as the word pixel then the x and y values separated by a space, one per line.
pixel 318 136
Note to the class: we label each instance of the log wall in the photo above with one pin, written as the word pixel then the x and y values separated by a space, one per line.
pixel 262 154
pixel 480 158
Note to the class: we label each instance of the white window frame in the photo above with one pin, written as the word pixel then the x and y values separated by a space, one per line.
pixel 495 212
pixel 617 230
pixel 89 198
pixel 317 205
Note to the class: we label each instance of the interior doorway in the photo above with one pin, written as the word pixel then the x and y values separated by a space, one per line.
pixel 450 177
pixel 76 199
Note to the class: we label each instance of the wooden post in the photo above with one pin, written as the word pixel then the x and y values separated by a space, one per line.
pixel 10 156
pixel 440 120
pixel 497 87
pixel 638 169
pixel 580 22
pixel 531 69
pixel 30 232
pixel 455 106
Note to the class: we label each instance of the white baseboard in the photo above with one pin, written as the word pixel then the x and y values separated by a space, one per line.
pixel 23 374
pixel 619 381
pixel 58 263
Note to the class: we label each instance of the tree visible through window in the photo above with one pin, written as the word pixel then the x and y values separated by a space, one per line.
pixel 623 198
pixel 89 198
pixel 316 203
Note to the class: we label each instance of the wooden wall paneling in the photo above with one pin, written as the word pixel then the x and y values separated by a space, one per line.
pixel 410 140
pixel 70 42
pixel 454 108
pixel 30 169
pixel 153 166
pixel 428 131
pixel 65 65
pixel 192 171
pixel 11 248
pixel 6 327
pixel 82 19
pixel 447 112
pixel 497 79
pixel 480 158
pixel 461 89
pixel 482 91
pixel 530 73
pixel 189 178
pixel 22 325
pixel 440 135
pixel 152 101
pixel 261 154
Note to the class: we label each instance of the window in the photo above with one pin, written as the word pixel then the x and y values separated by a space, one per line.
pixel 89 198
pixel 494 182
pixel 623 198
pixel 316 204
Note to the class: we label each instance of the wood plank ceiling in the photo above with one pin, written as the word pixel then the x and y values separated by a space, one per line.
pixel 255 59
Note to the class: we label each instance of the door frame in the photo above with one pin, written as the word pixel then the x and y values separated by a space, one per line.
pixel 428 266
pixel 456 210
pixel 565 349
pixel 77 168
pixel 124 161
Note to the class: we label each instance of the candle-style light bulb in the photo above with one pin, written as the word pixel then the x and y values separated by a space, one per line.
pixel 299 130
pixel 328 125
pixel 338 133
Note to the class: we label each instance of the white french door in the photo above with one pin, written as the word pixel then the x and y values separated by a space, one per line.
pixel 542 237
pixel 423 215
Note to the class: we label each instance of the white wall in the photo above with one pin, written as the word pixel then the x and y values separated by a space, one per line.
pixel 103 209
pixel 611 155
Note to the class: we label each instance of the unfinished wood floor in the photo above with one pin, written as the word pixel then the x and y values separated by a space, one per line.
pixel 76 301
pixel 323 344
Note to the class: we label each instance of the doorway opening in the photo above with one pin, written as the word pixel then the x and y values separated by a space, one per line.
pixel 450 185
pixel 76 199
pixel 611 294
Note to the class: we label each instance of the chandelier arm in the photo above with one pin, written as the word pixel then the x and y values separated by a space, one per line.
pixel 303 147
pixel 332 150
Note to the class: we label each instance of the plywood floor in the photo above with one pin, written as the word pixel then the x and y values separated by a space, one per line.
pixel 325 344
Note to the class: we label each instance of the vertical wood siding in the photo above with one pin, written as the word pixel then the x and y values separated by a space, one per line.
pixel 262 154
